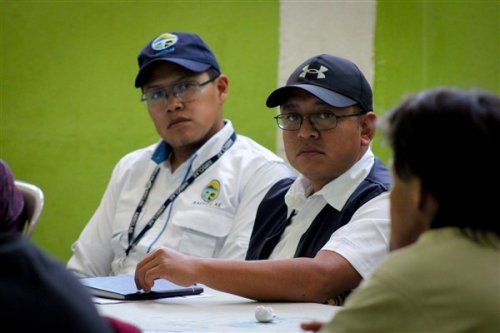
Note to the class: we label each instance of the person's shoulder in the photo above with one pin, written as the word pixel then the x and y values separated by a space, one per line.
pixel 407 262
pixel 253 149
pixel 62 293
pixel 139 154
pixel 379 175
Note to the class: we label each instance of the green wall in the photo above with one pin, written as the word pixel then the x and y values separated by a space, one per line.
pixel 68 106
pixel 424 44
pixel 69 110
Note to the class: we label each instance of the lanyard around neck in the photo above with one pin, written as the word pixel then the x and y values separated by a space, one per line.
pixel 133 241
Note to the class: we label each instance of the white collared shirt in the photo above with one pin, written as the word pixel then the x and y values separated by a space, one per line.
pixel 218 228
pixel 364 241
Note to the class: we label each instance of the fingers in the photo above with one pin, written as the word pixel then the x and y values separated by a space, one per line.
pixel 140 279
pixel 166 264
pixel 146 272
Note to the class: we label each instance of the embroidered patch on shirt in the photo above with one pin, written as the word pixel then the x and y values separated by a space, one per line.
pixel 211 191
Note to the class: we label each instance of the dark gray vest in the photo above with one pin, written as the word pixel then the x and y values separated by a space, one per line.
pixel 271 221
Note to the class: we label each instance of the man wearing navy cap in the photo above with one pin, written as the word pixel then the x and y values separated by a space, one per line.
pixel 198 188
pixel 328 229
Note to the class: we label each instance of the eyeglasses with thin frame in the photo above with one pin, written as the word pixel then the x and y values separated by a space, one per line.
pixel 320 121
pixel 185 91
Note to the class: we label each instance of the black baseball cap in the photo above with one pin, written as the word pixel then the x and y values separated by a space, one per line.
pixel 335 80
pixel 184 49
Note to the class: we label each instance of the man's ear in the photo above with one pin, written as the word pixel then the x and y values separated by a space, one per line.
pixel 223 87
pixel 427 205
pixel 368 125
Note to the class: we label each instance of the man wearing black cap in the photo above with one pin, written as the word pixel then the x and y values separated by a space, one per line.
pixel 328 229
pixel 198 188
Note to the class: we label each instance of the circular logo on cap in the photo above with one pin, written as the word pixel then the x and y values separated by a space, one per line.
pixel 163 41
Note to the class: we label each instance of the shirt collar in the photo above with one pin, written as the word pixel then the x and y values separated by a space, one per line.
pixel 209 148
pixel 336 192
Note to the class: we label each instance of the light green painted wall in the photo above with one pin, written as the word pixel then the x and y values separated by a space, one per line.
pixel 68 106
pixel 424 44
pixel 69 111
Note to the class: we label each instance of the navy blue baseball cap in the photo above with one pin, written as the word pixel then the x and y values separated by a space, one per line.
pixel 335 80
pixel 184 49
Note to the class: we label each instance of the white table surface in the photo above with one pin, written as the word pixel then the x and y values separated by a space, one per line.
pixel 214 311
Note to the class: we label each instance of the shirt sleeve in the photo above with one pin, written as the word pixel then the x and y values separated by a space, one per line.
pixel 264 177
pixel 92 254
pixel 364 241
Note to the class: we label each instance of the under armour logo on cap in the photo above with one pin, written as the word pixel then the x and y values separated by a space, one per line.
pixel 309 72
pixel 334 80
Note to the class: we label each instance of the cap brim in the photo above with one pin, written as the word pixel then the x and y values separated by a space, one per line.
pixel 332 98
pixel 188 64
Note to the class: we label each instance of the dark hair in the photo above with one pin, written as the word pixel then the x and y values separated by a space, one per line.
pixel 450 140
pixel 213 73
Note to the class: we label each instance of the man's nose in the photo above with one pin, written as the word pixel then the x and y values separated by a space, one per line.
pixel 172 103
pixel 307 129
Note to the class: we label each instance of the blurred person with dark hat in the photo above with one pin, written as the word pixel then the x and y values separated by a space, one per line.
pixel 38 293
pixel 12 213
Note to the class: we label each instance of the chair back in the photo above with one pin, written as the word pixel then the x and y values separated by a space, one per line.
pixel 33 204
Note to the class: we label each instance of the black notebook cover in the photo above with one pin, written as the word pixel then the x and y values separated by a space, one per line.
pixel 123 287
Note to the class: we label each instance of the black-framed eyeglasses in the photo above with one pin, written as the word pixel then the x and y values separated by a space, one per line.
pixel 185 91
pixel 321 121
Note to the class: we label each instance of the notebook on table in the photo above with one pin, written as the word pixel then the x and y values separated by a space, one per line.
pixel 123 287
